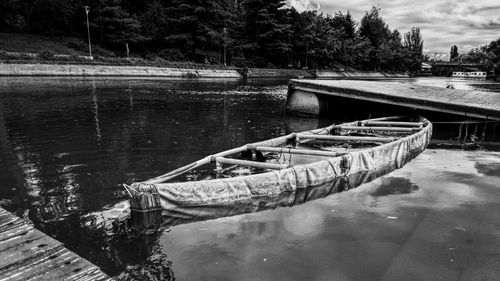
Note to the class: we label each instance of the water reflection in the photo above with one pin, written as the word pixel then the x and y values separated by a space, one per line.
pixel 67 144
pixel 395 186
pixel 440 229
pixel 458 83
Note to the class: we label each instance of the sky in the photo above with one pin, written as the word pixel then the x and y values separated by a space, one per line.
pixel 443 23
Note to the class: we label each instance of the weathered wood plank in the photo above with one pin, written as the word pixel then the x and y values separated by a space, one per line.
pixel 261 165
pixel 29 254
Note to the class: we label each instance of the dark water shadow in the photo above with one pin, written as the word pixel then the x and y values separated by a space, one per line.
pixel 118 247
pixel 395 186
pixel 491 169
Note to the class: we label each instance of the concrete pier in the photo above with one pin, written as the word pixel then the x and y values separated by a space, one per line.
pixel 318 97
pixel 29 254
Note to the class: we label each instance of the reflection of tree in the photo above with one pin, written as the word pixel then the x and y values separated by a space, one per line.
pixel 118 247
pixel 156 267
pixel 61 171
pixel 16 180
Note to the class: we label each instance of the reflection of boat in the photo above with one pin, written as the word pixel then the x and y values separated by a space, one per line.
pixel 284 171
pixel 298 124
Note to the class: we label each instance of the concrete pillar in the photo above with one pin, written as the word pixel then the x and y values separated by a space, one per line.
pixel 305 103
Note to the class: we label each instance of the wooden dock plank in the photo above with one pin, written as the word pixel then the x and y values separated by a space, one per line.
pixel 466 103
pixel 29 254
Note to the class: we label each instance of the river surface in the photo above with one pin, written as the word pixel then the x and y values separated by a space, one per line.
pixel 67 145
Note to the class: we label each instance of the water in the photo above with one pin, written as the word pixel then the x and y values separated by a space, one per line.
pixel 66 145
pixel 460 84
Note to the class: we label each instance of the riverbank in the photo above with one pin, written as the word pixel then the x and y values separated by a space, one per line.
pixel 58 69
pixel 25 69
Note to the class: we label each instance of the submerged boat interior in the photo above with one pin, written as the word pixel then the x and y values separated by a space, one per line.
pixel 297 149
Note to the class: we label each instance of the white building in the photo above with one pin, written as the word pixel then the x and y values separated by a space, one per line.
pixel 469 74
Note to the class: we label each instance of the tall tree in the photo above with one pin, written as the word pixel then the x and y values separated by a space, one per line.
pixel 114 26
pixel 373 27
pixel 414 43
pixel 453 53
pixel 345 23
pixel 196 27
pixel 266 25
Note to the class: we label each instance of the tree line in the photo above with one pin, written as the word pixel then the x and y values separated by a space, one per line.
pixel 248 33
pixel 487 55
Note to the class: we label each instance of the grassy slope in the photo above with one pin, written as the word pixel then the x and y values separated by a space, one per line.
pixel 27 43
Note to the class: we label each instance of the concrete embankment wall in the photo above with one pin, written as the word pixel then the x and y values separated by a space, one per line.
pixel 107 70
pixel 320 74
pixel 275 73
pixel 26 69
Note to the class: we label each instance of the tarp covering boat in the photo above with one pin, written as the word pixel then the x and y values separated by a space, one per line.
pixel 200 200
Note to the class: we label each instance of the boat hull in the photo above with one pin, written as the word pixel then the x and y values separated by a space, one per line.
pixel 184 202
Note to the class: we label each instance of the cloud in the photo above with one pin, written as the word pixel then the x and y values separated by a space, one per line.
pixel 465 23
pixel 303 5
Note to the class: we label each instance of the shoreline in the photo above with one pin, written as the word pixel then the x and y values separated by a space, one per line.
pixel 26 69
pixel 86 70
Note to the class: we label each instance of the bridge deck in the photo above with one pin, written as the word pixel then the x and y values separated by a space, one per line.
pixel 29 254
pixel 466 103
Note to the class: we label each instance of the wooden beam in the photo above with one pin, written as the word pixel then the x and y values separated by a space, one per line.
pixel 261 165
pixel 299 151
pixel 366 128
pixel 345 138
pixel 388 118
pixel 388 123
pixel 204 161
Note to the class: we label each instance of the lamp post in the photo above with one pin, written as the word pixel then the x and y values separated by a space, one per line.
pixel 87 9
pixel 225 31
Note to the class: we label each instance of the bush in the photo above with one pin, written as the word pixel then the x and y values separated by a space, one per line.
pixel 46 54
pixel 243 62
pixel 172 55
pixel 4 56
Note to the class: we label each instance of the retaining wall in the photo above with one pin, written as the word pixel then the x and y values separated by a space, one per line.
pixel 325 74
pixel 275 73
pixel 107 70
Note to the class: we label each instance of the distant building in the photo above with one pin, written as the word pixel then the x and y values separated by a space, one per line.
pixel 469 73
pixel 426 69
pixel 480 75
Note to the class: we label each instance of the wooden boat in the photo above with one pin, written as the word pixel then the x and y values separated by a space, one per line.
pixel 284 171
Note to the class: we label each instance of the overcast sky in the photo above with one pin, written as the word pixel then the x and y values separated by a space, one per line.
pixel 443 23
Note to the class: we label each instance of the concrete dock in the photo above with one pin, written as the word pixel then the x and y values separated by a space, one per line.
pixel 29 254
pixel 316 97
